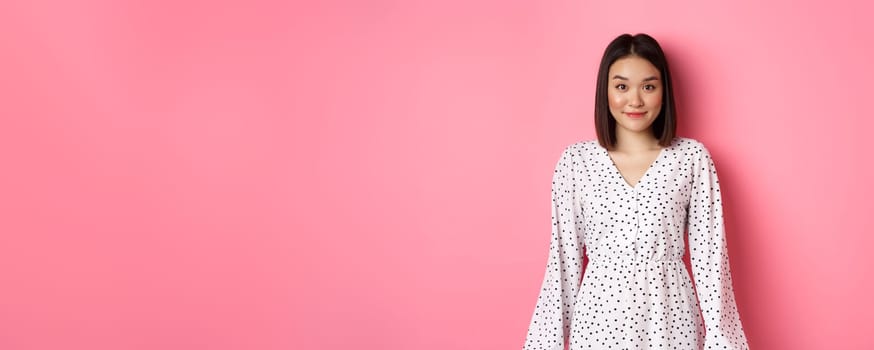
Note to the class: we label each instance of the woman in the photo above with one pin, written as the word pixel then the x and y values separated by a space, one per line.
pixel 627 198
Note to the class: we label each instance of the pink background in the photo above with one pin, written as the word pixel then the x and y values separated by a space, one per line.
pixel 375 175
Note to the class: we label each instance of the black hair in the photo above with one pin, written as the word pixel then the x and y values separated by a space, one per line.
pixel 664 127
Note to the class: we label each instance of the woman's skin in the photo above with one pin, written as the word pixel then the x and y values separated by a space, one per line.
pixel 635 99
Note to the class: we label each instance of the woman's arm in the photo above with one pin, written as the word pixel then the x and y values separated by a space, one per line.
pixel 709 257
pixel 550 324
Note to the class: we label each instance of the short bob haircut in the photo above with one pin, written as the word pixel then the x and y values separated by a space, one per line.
pixel 664 127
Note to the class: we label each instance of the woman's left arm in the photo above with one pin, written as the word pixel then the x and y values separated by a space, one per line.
pixel 709 257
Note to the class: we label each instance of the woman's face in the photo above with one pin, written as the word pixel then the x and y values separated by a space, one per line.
pixel 634 93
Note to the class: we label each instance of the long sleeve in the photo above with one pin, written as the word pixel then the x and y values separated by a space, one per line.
pixel 709 257
pixel 550 324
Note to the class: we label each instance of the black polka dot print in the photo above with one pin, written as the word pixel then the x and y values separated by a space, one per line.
pixel 636 292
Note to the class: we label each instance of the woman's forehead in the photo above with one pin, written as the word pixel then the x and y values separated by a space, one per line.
pixel 633 67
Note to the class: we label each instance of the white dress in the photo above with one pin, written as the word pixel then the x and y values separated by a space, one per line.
pixel 636 292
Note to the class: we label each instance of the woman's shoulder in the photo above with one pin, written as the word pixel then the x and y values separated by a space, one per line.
pixel 688 144
pixel 582 147
pixel 584 143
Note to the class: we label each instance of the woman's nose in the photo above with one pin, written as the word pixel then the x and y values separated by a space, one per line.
pixel 635 100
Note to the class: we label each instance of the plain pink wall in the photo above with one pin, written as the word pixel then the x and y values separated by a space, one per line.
pixel 375 175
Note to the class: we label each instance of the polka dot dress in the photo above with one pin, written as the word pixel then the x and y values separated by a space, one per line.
pixel 636 292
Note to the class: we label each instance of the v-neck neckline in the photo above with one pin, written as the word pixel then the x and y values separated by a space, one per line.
pixel 642 177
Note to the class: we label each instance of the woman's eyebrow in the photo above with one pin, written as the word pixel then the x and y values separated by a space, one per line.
pixel 624 78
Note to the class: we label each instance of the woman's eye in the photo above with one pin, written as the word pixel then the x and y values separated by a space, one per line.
pixel 620 86
pixel 649 87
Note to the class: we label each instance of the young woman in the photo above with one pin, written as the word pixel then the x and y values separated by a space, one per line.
pixel 627 199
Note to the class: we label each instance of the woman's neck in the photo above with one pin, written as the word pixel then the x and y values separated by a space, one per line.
pixel 632 142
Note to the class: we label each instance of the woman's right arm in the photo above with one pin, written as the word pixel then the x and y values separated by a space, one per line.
pixel 550 324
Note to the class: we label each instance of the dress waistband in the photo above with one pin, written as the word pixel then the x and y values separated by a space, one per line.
pixel 631 259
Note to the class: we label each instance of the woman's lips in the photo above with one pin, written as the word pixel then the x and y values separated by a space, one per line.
pixel 635 115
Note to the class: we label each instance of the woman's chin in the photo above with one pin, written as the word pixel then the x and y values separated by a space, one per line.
pixel 636 125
